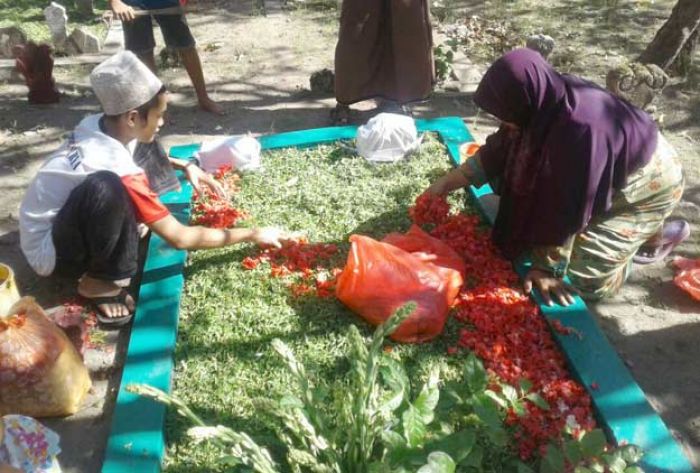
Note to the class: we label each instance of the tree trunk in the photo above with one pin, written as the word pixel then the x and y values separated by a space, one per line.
pixel 670 39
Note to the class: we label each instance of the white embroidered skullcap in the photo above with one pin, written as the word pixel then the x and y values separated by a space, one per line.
pixel 122 83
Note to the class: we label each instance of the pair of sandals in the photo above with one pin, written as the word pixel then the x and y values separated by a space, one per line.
pixel 673 234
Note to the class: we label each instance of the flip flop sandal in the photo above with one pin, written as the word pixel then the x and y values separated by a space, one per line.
pixel 672 235
pixel 102 316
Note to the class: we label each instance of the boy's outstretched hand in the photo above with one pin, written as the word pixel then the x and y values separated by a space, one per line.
pixel 272 237
pixel 200 179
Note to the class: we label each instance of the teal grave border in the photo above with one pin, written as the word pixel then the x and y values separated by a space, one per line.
pixel 137 444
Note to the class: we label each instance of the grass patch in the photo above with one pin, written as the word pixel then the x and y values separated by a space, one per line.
pixel 29 16
pixel 224 361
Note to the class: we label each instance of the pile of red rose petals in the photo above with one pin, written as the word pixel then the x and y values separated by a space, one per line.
pixel 307 261
pixel 429 209
pixel 210 210
pixel 505 329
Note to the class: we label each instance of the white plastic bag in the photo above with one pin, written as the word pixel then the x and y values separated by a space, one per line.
pixel 387 137
pixel 240 151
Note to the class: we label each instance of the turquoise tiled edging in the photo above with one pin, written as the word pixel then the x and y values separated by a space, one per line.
pixel 136 443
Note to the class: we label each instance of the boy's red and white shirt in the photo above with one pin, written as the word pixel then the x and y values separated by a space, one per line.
pixel 87 150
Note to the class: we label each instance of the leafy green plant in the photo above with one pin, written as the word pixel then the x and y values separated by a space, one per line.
pixel 375 424
pixel 444 60
pixel 242 449
pixel 589 453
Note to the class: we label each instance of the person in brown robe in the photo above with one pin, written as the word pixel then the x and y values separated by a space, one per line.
pixel 384 50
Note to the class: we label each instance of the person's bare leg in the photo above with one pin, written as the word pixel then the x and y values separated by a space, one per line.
pixel 149 60
pixel 193 66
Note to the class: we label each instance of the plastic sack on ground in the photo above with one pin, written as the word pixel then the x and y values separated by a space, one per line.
pixel 387 137
pixel 41 374
pixel 379 277
pixel 242 152
pixel 688 276
pixel 433 251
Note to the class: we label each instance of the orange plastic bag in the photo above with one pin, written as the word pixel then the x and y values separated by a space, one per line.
pixel 41 374
pixel 379 277
pixel 688 278
pixel 430 250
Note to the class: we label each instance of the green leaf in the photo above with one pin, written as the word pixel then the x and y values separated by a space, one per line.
pixel 394 374
pixel 438 462
pixel 631 454
pixel 379 467
pixel 450 398
pixel 474 374
pixel 582 469
pixel 509 392
pixel 485 408
pixel 593 443
pixel 633 469
pixel 457 445
pixel 553 461
pixel 395 377
pixel 414 429
pixel 537 400
pixel 393 440
pixel 573 452
pixel 523 468
pixel 500 400
pixel 596 466
pixel 498 436
pixel 615 462
pixel 519 408
pixel 428 398
pixel 474 459
pixel 525 385
pixel 229 460
pixel 291 402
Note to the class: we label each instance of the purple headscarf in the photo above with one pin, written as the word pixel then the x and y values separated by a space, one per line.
pixel 576 146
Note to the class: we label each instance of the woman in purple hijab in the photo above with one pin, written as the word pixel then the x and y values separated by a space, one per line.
pixel 585 179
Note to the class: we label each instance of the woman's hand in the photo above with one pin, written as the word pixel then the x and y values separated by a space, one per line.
pixel 549 286
pixel 200 179
pixel 436 188
pixel 455 179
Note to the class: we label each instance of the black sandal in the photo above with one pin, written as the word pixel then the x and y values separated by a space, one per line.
pixel 105 319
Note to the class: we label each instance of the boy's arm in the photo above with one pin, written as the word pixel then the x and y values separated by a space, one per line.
pixel 186 237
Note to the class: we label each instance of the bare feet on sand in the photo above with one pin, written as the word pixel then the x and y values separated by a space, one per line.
pixel 208 105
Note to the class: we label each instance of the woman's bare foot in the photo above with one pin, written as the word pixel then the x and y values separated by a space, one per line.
pixel 97 289
pixel 208 105
pixel 340 115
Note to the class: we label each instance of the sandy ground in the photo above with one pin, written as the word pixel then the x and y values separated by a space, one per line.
pixel 258 67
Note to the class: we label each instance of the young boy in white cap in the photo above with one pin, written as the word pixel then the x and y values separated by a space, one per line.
pixel 79 215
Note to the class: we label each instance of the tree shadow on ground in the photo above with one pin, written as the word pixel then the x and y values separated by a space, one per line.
pixel 661 367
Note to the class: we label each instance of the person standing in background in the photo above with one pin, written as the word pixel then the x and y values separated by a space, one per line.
pixel 384 50
pixel 138 38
